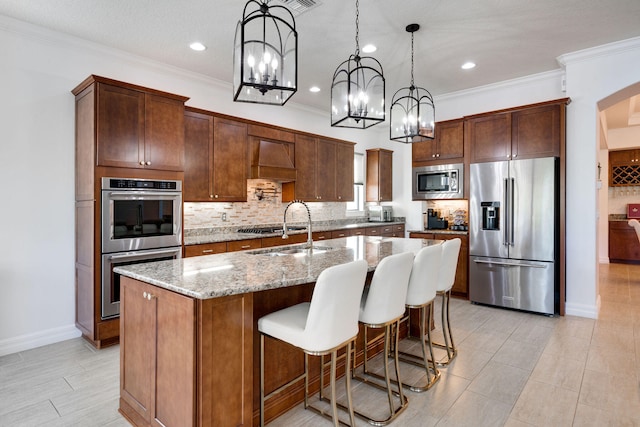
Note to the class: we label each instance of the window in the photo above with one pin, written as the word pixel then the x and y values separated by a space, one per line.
pixel 357 205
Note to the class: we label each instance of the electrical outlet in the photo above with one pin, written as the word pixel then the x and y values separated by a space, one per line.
pixel 224 216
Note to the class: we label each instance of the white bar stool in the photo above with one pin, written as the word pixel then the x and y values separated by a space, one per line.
pixel 383 306
pixel 636 225
pixel 326 324
pixel 446 279
pixel 421 294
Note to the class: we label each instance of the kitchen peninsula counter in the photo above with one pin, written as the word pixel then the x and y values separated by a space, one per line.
pixel 188 329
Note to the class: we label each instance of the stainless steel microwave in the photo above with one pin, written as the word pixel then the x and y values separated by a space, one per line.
pixel 438 182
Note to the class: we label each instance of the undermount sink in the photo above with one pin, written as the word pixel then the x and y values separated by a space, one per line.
pixel 292 251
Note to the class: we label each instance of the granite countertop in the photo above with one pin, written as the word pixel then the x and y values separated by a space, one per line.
pixel 462 232
pixel 618 217
pixel 213 235
pixel 232 273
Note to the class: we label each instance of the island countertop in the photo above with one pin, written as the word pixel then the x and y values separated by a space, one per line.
pixel 233 273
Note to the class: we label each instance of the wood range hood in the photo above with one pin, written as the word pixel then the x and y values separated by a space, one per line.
pixel 272 160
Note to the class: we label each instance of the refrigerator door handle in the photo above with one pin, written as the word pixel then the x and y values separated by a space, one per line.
pixel 505 239
pixel 510 264
pixel 511 211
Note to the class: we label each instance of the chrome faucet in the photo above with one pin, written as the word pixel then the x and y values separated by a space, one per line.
pixel 284 223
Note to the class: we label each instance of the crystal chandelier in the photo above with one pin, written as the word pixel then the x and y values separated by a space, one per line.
pixel 265 55
pixel 357 90
pixel 412 110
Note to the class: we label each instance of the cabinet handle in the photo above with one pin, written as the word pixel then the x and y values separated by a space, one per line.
pixel 147 296
pixel 142 162
pixel 215 197
pixel 207 251
pixel 438 155
pixel 211 196
pixel 321 238
pixel 433 155
pixel 514 156
pixel 148 163
pixel 245 246
pixel 339 197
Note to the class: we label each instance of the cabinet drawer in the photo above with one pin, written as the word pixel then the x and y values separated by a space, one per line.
pixel 358 232
pixel 205 249
pixel 268 242
pixel 415 235
pixel 241 245
pixel 322 235
pixel 373 231
pixel 340 233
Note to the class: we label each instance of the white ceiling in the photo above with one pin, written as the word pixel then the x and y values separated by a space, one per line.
pixel 506 38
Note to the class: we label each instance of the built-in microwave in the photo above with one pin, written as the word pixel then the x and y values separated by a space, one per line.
pixel 438 182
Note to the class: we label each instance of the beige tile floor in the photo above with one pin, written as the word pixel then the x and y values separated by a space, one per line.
pixel 513 369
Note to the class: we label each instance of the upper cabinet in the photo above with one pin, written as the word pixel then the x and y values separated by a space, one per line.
pixel 324 170
pixel 137 127
pixel 624 167
pixel 447 147
pixel 216 158
pixel 379 182
pixel 518 134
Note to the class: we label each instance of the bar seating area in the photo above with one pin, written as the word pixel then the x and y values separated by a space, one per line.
pixel 329 323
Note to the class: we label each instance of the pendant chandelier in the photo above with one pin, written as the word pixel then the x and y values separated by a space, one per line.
pixel 265 55
pixel 357 90
pixel 412 110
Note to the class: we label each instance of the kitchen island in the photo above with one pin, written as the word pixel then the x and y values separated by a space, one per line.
pixel 188 330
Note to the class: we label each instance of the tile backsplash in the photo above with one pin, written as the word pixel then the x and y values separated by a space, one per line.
pixel 263 206
pixel 619 197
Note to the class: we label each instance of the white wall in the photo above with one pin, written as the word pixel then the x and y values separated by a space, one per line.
pixel 39 69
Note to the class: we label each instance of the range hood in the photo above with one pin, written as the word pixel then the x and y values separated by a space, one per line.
pixel 272 160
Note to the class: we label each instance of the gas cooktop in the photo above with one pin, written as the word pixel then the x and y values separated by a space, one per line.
pixel 267 230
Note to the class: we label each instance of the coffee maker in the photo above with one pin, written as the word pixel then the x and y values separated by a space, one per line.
pixel 434 222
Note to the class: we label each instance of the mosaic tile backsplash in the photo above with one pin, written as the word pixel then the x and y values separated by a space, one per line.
pixel 264 206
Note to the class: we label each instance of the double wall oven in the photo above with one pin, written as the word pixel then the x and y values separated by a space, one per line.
pixel 141 222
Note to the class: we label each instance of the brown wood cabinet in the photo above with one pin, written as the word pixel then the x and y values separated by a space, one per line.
pixel 379 180
pixel 205 249
pixel 158 353
pixel 624 246
pixel 118 125
pixel 624 168
pixel 519 134
pixel 136 128
pixel 324 171
pixel 172 353
pixel 243 245
pixel 461 284
pixel 447 147
pixel 216 158
pixel 395 230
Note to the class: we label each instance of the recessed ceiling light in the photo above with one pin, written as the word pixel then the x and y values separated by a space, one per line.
pixel 370 48
pixel 197 46
pixel 314 89
pixel 468 65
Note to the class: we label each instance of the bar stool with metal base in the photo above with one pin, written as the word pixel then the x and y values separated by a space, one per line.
pixel 326 324
pixel 382 306
pixel 446 279
pixel 421 294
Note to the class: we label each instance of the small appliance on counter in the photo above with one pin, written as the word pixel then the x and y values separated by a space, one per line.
pixel 380 213
pixel 434 222
pixel 633 211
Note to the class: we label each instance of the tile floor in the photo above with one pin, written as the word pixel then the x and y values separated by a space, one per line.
pixel 513 369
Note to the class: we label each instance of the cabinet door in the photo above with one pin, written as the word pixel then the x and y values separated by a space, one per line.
pixel 230 161
pixel 622 157
pixel 379 182
pixel 425 151
pixel 490 137
pixel 120 127
pixel 305 155
pixel 198 139
pixel 536 132
pixel 344 172
pixel 450 140
pixel 623 243
pixel 164 133
pixel 137 344
pixel 326 171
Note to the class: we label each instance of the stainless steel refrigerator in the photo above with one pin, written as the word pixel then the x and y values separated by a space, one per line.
pixel 513 234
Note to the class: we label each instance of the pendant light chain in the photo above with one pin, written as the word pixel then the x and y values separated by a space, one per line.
pixel 412 85
pixel 357 28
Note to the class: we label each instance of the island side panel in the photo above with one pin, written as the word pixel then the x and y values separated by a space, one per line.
pixel 225 361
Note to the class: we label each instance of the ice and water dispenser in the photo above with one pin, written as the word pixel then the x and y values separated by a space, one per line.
pixel 490 215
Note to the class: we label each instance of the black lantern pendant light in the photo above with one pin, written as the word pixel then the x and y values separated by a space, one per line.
pixel 412 110
pixel 357 91
pixel 265 55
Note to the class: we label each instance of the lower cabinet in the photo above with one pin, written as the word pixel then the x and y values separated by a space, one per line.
pixel 461 285
pixel 183 361
pixel 157 355
pixel 624 246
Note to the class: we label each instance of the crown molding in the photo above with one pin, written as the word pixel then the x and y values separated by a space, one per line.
pixel 599 51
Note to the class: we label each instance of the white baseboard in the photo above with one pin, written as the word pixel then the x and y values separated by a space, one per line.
pixel 583 310
pixel 29 341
